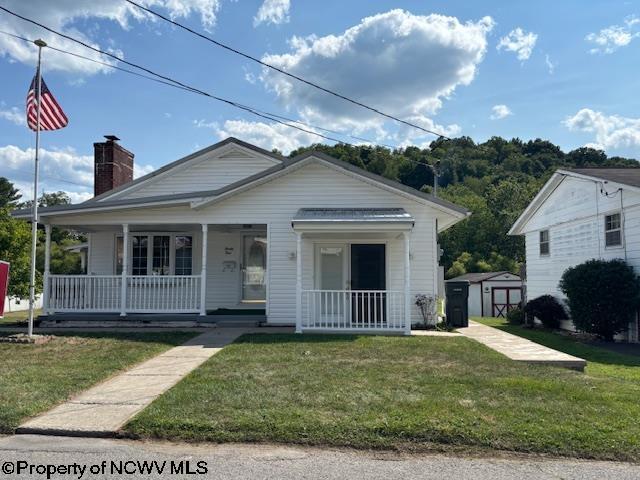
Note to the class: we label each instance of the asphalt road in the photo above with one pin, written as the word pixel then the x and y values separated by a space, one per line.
pixel 105 457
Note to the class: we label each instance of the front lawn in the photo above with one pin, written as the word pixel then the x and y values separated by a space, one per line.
pixel 34 378
pixel 415 393
pixel 17 317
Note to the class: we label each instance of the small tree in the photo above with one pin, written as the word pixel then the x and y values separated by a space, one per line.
pixel 603 296
pixel 546 309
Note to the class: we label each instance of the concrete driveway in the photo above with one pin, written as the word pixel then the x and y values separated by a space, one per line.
pixel 282 462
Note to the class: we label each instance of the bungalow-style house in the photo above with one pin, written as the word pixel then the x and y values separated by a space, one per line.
pixel 580 214
pixel 491 294
pixel 309 241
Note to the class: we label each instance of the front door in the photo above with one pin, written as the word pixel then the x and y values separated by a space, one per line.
pixel 331 305
pixel 254 268
pixel 368 282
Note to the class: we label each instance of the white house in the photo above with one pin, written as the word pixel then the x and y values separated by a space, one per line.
pixel 492 294
pixel 314 241
pixel 580 214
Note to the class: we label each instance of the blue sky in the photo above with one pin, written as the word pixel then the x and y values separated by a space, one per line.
pixel 564 71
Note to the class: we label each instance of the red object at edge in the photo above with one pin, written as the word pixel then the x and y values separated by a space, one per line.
pixel 4 284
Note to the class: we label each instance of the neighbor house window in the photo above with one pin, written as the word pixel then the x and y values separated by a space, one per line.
pixel 157 254
pixel 613 230
pixel 184 255
pixel 544 242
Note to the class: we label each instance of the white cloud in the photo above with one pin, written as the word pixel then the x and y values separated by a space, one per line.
pixel 267 135
pixel 14 115
pixel 519 42
pixel 551 65
pixel 610 39
pixel 62 16
pixel 610 131
pixel 401 63
pixel 499 112
pixel 272 11
pixel 62 169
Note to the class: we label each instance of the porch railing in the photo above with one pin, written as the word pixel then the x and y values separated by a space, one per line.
pixel 353 310
pixel 103 293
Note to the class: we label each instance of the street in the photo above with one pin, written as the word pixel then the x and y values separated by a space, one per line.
pixel 65 457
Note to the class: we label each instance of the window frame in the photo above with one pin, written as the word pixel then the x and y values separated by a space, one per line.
pixel 618 229
pixel 546 242
pixel 150 247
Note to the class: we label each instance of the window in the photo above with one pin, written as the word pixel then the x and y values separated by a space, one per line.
pixel 544 242
pixel 184 255
pixel 613 230
pixel 157 254
pixel 140 251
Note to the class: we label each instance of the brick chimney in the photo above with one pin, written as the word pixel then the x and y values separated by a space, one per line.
pixel 113 165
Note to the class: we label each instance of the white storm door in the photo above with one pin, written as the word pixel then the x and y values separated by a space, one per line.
pixel 332 308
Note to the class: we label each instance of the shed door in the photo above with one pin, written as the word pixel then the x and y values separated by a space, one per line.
pixel 504 299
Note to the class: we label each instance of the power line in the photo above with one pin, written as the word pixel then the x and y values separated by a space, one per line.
pixel 284 72
pixel 173 83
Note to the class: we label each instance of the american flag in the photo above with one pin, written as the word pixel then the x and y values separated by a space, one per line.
pixel 51 115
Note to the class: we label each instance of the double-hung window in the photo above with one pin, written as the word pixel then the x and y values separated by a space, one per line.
pixel 544 242
pixel 157 254
pixel 613 230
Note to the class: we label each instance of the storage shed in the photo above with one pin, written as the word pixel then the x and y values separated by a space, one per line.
pixel 492 294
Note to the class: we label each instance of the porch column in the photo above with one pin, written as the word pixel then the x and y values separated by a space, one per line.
pixel 203 270
pixel 407 283
pixel 298 282
pixel 47 267
pixel 125 269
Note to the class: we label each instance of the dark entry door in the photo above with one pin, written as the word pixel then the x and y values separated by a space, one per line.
pixel 368 282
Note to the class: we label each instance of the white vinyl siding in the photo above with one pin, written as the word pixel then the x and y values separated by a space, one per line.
pixel 275 203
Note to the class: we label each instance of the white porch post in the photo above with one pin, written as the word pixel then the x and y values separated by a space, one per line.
pixel 407 283
pixel 203 270
pixel 298 282
pixel 125 269
pixel 47 267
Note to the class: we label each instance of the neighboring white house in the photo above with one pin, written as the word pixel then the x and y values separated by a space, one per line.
pixel 580 214
pixel 314 241
pixel 492 294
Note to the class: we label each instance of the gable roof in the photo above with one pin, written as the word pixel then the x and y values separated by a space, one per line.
pixel 202 199
pixel 624 175
pixel 629 176
pixel 183 160
pixel 481 277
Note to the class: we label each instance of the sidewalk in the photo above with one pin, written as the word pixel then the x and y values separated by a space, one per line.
pixel 104 409
pixel 520 349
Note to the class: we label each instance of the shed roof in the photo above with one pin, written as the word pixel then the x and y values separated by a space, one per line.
pixel 479 277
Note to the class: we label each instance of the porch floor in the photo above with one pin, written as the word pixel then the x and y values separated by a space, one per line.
pixel 150 319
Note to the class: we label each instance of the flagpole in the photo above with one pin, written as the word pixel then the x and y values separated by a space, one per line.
pixel 34 220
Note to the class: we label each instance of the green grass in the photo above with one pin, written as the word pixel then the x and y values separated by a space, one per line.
pixel 34 378
pixel 16 317
pixel 600 361
pixel 418 393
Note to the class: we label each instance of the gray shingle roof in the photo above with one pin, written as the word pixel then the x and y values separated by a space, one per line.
pixel 626 176
pixel 479 277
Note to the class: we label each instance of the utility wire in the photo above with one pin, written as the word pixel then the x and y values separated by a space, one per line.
pixel 173 83
pixel 284 72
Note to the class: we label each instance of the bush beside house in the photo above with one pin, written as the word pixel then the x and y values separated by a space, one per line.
pixel 546 309
pixel 603 296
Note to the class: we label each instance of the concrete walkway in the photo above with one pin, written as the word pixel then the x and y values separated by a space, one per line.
pixel 105 408
pixel 520 349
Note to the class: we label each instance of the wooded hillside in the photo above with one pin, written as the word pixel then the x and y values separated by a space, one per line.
pixel 495 180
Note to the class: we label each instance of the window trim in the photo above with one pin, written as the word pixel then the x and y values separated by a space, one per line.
pixel 620 229
pixel 547 243
pixel 172 251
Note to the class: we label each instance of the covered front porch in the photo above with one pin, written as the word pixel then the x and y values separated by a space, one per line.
pixel 144 269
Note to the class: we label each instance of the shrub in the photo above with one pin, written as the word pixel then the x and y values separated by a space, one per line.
pixel 515 316
pixel 603 296
pixel 546 309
